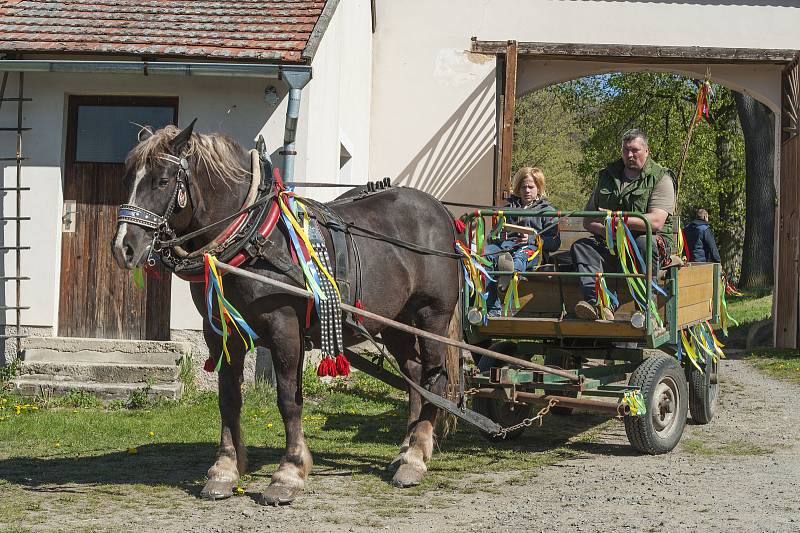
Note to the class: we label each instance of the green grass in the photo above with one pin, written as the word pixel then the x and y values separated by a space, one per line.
pixel 751 307
pixel 778 363
pixel 735 448
pixel 93 456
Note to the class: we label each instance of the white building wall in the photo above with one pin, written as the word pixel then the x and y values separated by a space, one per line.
pixel 233 106
pixel 338 100
pixel 433 108
pixel 335 109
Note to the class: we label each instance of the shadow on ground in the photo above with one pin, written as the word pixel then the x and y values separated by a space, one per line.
pixel 184 465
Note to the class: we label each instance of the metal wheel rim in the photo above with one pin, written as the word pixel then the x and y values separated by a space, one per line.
pixel 665 406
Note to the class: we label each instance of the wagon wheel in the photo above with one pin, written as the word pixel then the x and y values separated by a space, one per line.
pixel 504 413
pixel 565 363
pixel 663 384
pixel 703 390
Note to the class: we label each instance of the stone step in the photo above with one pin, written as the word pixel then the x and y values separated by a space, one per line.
pixel 101 372
pixel 31 387
pixel 52 355
pixel 77 344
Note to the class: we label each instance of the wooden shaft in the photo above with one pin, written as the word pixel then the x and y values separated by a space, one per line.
pixel 297 291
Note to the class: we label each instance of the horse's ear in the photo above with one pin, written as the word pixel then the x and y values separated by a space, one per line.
pixel 179 142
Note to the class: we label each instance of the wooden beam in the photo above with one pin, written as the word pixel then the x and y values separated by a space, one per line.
pixel 788 245
pixel 503 184
pixel 638 53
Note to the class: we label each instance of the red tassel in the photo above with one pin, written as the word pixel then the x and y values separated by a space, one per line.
pixel 342 365
pixel 359 318
pixel 210 365
pixel 460 226
pixel 327 367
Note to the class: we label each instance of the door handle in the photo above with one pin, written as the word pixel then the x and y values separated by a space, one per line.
pixel 68 217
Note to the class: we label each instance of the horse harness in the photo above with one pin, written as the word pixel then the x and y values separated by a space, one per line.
pixel 247 239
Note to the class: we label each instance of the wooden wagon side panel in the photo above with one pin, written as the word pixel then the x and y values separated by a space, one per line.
pixel 696 293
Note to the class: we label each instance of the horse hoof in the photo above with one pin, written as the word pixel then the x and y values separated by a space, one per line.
pixel 217 490
pixel 395 464
pixel 279 495
pixel 407 476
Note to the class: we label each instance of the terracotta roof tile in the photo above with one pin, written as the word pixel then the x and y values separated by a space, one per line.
pixel 271 30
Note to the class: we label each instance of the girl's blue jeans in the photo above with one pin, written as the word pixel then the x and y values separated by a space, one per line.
pixel 521 264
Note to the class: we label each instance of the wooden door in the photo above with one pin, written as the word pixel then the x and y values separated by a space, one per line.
pixel 786 282
pixel 97 298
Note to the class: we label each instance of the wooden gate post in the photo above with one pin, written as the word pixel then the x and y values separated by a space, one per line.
pixel 502 184
pixel 786 282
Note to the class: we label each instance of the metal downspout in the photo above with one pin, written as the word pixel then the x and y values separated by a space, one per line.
pixel 296 81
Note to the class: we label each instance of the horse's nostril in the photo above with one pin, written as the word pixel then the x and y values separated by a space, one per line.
pixel 128 253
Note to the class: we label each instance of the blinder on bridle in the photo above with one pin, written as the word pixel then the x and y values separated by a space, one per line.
pixel 180 198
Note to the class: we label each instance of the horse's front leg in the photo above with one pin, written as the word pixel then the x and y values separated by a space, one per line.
pixel 286 345
pixel 223 476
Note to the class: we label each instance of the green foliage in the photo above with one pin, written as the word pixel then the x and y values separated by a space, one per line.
pixel 76 398
pixel 9 371
pixel 547 135
pixel 140 398
pixel 662 105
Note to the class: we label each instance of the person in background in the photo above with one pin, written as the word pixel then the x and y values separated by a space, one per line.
pixel 700 239
pixel 511 250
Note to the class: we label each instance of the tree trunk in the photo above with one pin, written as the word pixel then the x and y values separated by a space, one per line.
pixel 758 126
pixel 729 228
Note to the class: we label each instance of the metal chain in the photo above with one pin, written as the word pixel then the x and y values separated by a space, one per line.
pixel 528 421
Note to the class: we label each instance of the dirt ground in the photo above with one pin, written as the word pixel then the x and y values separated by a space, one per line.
pixel 739 473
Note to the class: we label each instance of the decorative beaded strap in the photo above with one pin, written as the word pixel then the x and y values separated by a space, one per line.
pixel 138 216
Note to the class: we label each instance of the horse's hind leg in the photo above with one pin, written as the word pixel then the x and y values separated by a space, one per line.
pixel 286 344
pixel 433 377
pixel 402 346
pixel 223 476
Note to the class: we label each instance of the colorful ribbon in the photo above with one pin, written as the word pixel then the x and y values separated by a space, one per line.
pixel 475 276
pixel 295 217
pixel 606 299
pixel 620 242
pixel 511 300
pixel 227 312
pixel 699 343
pixel 634 399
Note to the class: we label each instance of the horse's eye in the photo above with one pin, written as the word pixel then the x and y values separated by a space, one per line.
pixel 163 182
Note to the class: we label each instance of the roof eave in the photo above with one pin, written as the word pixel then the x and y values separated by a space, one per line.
pixel 318 32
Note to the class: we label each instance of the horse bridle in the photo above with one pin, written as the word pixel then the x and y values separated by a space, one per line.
pixel 180 198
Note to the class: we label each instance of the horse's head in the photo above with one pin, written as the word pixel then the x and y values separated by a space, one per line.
pixel 157 179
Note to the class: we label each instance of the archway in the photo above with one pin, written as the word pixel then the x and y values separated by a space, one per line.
pixel 770 76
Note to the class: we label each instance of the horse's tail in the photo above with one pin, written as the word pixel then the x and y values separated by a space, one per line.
pixel 447 422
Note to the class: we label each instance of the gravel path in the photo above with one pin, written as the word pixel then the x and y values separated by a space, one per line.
pixel 739 473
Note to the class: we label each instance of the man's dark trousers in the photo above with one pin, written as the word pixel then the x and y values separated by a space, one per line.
pixel 591 255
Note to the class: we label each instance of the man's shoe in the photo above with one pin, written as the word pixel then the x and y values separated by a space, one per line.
pixel 585 310
pixel 607 314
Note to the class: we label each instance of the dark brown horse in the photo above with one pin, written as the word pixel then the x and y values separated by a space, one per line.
pixel 409 286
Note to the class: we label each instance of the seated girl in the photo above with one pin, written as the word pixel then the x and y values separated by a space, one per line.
pixel 512 250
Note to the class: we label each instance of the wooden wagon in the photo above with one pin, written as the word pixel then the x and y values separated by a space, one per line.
pixel 635 366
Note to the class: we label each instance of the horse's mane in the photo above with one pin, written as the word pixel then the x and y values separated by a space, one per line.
pixel 217 154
